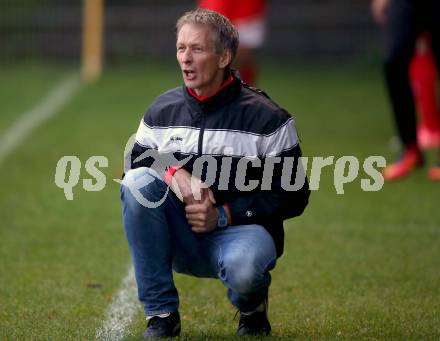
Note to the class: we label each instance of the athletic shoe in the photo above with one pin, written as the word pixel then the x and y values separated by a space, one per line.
pixel 434 173
pixel 411 159
pixel 161 327
pixel 255 323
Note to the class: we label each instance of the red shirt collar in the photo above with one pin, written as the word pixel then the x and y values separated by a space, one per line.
pixel 204 98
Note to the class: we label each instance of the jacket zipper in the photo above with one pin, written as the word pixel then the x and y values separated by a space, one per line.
pixel 202 131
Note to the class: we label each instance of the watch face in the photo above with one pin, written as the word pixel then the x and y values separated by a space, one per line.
pixel 222 219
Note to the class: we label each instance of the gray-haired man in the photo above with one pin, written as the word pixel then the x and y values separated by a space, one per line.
pixel 241 147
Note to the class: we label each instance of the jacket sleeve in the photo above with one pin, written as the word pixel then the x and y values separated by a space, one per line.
pixel 289 191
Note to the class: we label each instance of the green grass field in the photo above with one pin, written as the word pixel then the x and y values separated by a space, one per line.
pixel 363 265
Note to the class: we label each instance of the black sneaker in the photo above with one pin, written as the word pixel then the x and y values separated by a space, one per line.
pixel 160 327
pixel 255 323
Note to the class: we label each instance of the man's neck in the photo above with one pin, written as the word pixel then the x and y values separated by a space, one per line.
pixel 202 97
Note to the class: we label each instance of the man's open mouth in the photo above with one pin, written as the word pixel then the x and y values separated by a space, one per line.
pixel 189 74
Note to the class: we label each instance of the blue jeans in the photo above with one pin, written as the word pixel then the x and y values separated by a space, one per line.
pixel 161 240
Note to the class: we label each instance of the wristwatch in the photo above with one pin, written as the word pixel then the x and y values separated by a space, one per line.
pixel 222 217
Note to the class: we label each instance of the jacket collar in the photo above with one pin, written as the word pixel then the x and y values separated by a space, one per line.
pixel 227 92
pixel 206 98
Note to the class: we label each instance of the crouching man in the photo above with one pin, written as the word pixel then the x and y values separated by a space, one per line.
pixel 218 211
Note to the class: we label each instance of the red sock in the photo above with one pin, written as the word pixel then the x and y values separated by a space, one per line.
pixel 423 80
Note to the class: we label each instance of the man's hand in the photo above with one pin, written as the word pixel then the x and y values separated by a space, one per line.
pixel 189 189
pixel 202 216
pixel 378 9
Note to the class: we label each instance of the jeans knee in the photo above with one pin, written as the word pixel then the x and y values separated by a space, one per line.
pixel 246 273
pixel 142 188
pixel 244 281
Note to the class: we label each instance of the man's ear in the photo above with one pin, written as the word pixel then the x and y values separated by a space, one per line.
pixel 225 58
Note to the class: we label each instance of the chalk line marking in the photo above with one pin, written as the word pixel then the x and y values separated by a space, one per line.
pixel 124 306
pixel 30 120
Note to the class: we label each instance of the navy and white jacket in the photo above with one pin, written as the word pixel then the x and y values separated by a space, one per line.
pixel 238 122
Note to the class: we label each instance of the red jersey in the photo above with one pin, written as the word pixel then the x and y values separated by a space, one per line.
pixel 236 10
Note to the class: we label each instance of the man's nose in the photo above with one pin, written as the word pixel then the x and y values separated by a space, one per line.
pixel 187 56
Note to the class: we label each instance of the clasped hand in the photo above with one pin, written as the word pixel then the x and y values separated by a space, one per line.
pixel 198 199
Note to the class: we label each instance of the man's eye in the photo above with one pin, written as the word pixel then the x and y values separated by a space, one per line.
pixel 180 48
pixel 198 49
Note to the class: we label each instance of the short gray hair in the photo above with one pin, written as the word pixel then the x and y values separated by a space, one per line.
pixel 226 34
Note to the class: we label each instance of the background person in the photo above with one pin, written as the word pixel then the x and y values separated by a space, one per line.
pixel 404 20
pixel 249 17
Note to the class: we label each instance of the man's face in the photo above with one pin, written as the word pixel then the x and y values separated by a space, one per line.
pixel 202 67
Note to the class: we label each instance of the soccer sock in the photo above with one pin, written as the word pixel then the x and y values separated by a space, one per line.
pixel 423 81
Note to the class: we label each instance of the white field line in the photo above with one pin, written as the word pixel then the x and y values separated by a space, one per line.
pixel 30 120
pixel 121 311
